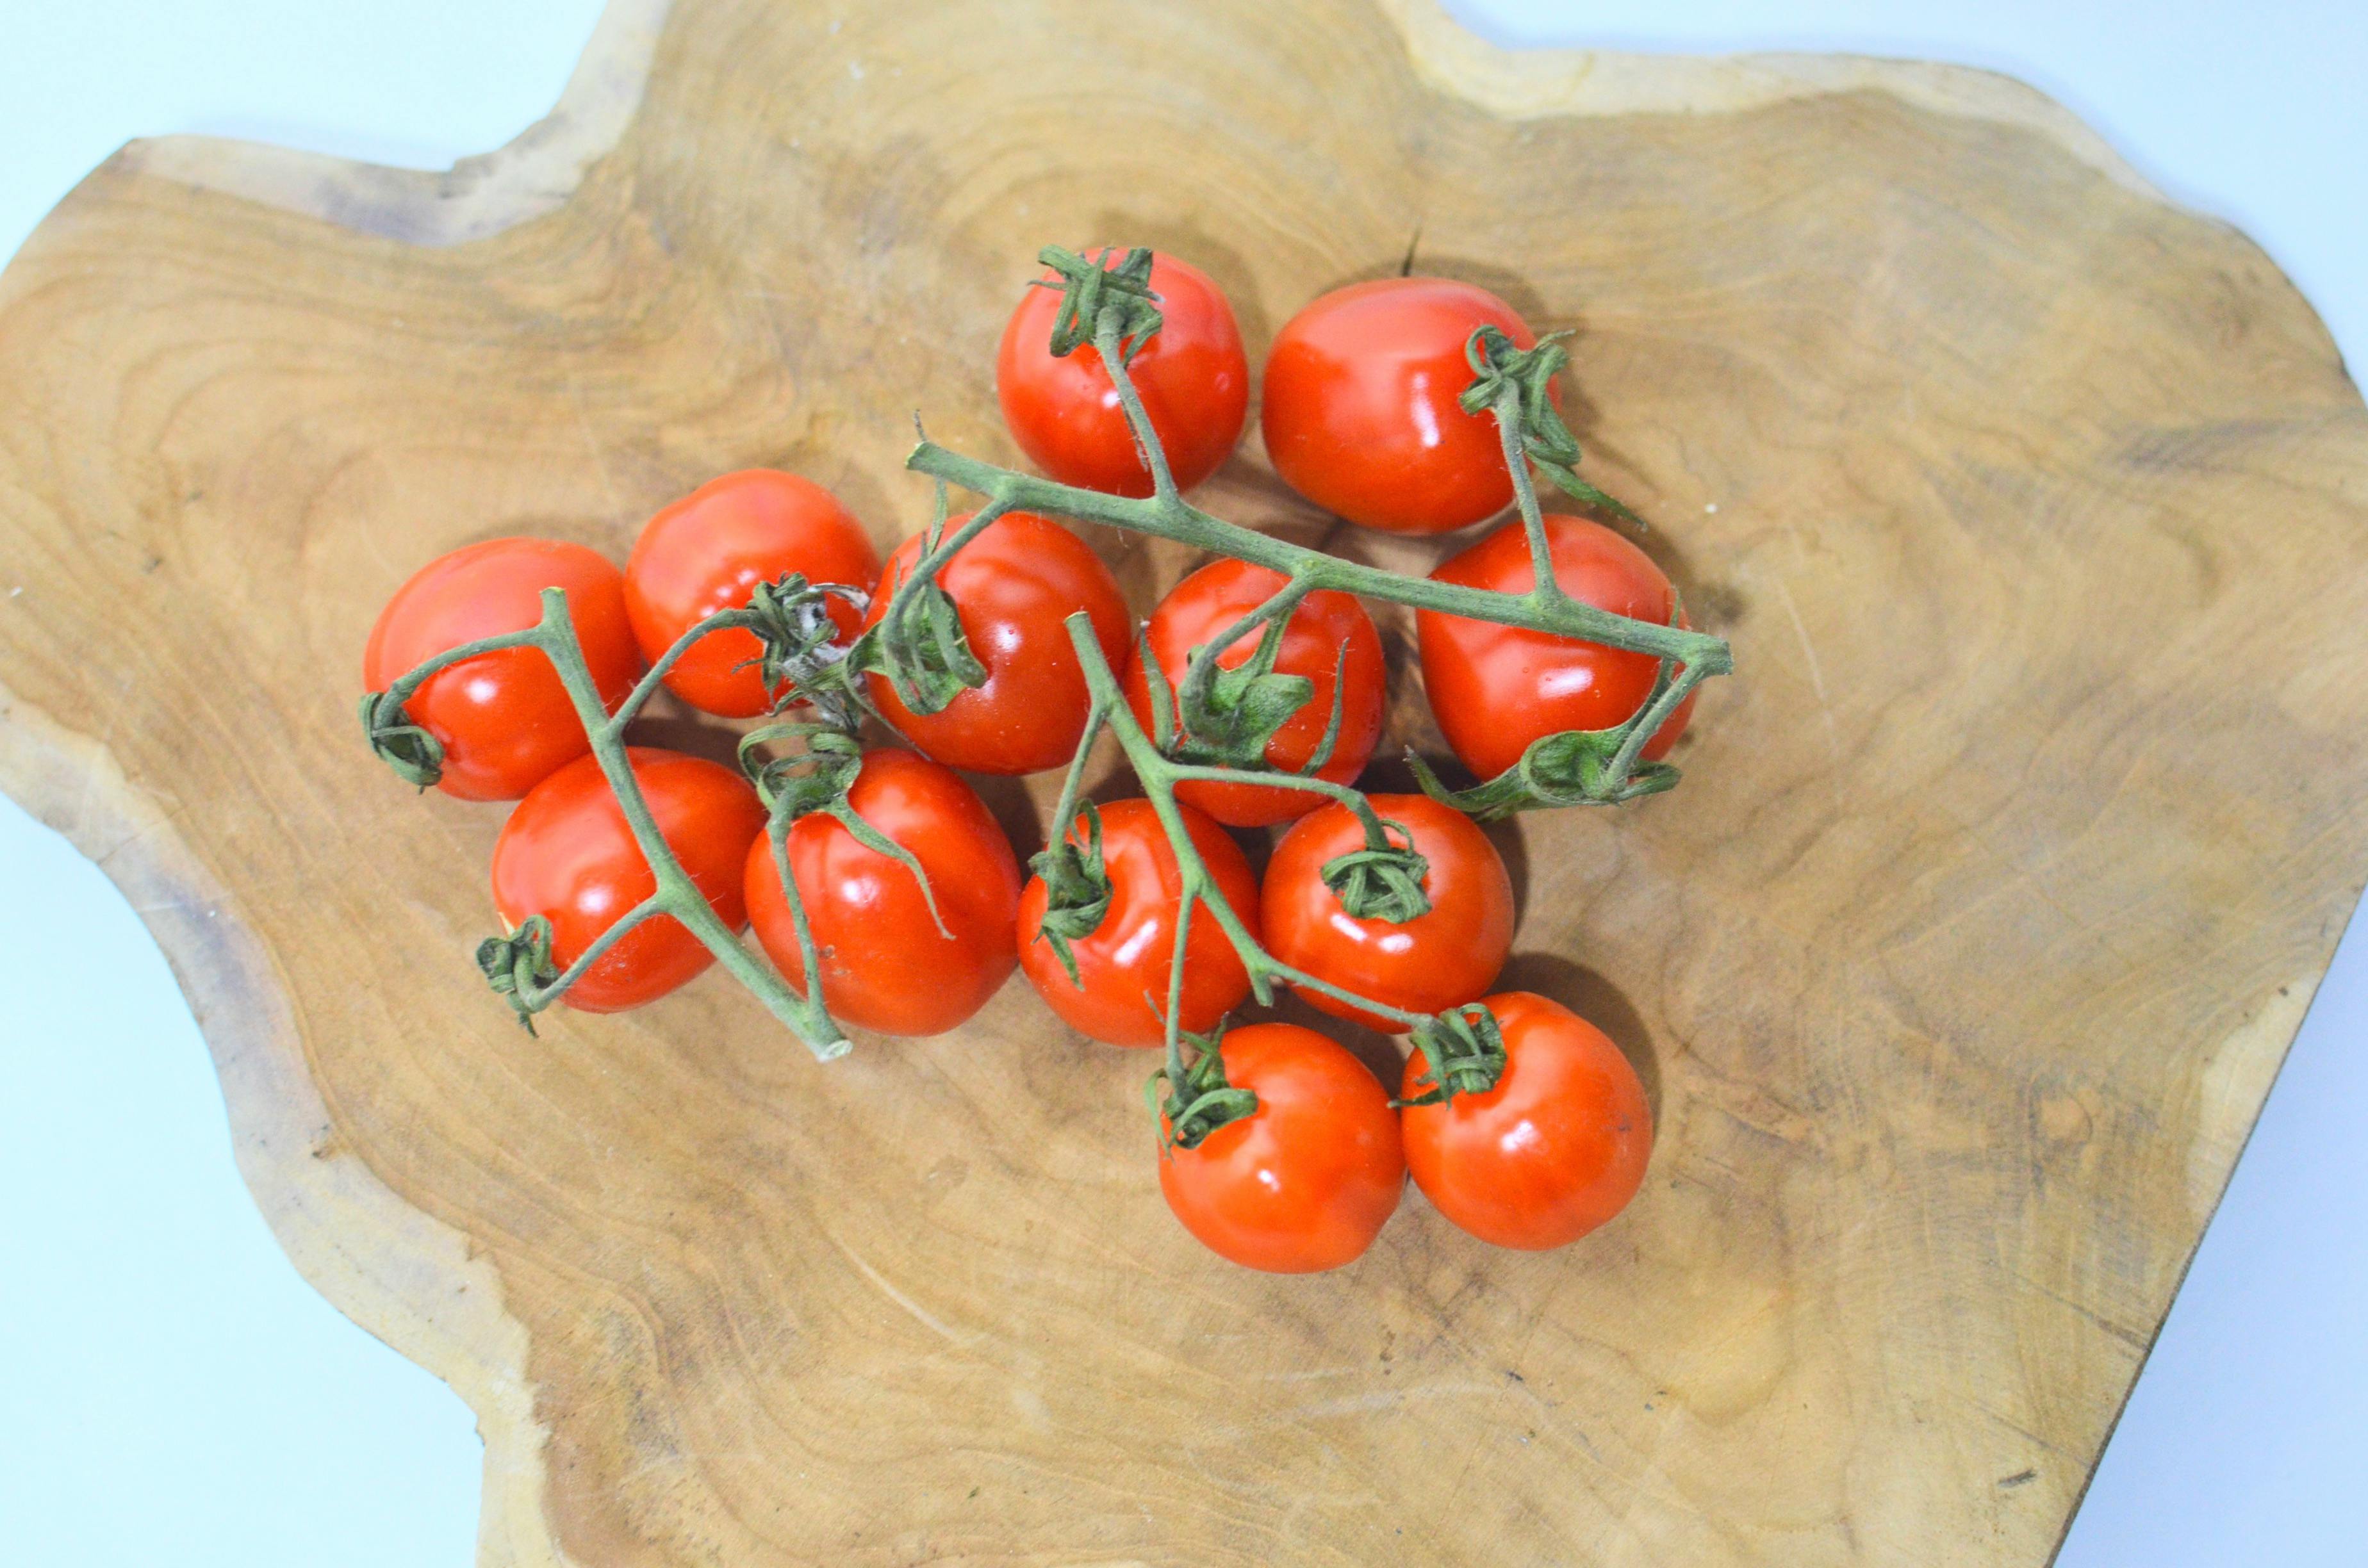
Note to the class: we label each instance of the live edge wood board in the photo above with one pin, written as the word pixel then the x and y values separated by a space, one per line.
pixel 2005 866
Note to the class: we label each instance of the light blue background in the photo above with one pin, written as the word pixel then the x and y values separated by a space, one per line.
pixel 170 1392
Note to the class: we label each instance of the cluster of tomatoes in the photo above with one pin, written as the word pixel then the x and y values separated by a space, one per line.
pixel 1361 414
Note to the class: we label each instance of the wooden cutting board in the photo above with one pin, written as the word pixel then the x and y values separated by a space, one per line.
pixel 2036 507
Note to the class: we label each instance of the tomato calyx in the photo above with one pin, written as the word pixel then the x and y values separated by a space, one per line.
pixel 1381 882
pixel 1464 1048
pixel 1504 371
pixel 1201 1100
pixel 1573 768
pixel 417 757
pixel 1090 288
pixel 791 619
pixel 1227 718
pixel 518 965
pixel 1078 890
pixel 816 779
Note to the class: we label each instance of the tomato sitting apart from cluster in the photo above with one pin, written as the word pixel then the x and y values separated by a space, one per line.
pixel 1495 690
pixel 887 963
pixel 708 551
pixel 504 720
pixel 1123 964
pixel 1359 406
pixel 1012 587
pixel 1329 641
pixel 568 854
pixel 1441 959
pixel 1556 1148
pixel 1306 1181
pixel 1191 375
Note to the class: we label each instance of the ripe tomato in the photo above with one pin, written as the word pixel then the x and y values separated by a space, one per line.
pixel 1200 610
pixel 707 551
pixel 1124 961
pixel 504 720
pixel 1495 690
pixel 568 854
pixel 1012 585
pixel 885 964
pixel 1191 376
pixel 1359 406
pixel 1304 1182
pixel 1439 960
pixel 1554 1150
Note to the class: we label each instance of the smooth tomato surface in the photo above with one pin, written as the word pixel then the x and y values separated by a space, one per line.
pixel 568 854
pixel 1200 610
pixel 503 718
pixel 1012 586
pixel 1556 1149
pixel 708 551
pixel 1192 378
pixel 885 965
pixel 1124 962
pixel 1306 1181
pixel 1439 960
pixel 1495 689
pixel 1359 406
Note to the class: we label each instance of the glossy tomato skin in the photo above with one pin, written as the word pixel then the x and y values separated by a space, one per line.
pixel 1359 406
pixel 568 854
pixel 1440 959
pixel 505 719
pixel 708 551
pixel 1193 377
pixel 1012 586
pixel 1200 610
pixel 1495 690
pixel 1556 1149
pixel 886 966
pixel 1306 1181
pixel 1124 961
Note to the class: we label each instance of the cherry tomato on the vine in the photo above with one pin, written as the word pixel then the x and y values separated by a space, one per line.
pixel 707 551
pixel 1304 1182
pixel 1191 375
pixel 568 854
pixel 1556 1149
pixel 1495 690
pixel 886 965
pixel 1012 587
pixel 503 718
pixel 1200 610
pixel 1359 406
pixel 1441 959
pixel 1125 961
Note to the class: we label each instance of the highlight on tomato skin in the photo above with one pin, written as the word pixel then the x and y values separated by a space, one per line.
pixel 709 551
pixel 568 854
pixel 1306 1181
pixel 887 966
pixel 503 718
pixel 1192 376
pixel 1556 1150
pixel 1359 406
pixel 1496 689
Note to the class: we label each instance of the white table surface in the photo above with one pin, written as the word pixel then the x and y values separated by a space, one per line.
pixel 172 1393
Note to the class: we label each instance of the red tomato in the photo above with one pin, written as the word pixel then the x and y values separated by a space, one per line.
pixel 1012 585
pixel 1359 406
pixel 885 964
pixel 1440 959
pixel 503 718
pixel 1124 961
pixel 1495 690
pixel 568 854
pixel 1554 1150
pixel 1200 610
pixel 1304 1182
pixel 1191 376
pixel 708 551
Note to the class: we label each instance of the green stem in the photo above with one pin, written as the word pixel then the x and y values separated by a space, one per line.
pixel 1507 411
pixel 542 997
pixel 1108 330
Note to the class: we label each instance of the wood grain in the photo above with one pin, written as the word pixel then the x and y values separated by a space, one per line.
pixel 2037 510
